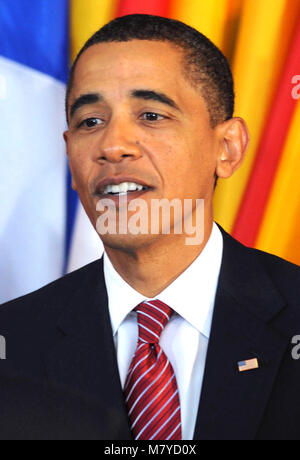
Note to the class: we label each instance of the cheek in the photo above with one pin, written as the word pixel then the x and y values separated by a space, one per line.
pixel 202 150
pixel 195 165
pixel 78 168
pixel 80 160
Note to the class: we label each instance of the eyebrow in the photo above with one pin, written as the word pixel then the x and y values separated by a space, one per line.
pixel 84 99
pixel 150 95
pixel 145 94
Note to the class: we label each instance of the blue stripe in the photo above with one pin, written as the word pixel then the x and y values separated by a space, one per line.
pixel 72 205
pixel 35 33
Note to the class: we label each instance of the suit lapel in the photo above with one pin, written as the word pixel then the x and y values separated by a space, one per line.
pixel 84 359
pixel 232 403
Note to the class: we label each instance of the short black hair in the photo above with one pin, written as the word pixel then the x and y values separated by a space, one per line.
pixel 205 65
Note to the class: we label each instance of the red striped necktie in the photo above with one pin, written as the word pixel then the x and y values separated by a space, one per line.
pixel 150 390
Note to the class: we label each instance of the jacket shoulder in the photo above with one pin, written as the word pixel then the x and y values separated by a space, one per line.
pixel 29 323
pixel 34 316
pixel 284 275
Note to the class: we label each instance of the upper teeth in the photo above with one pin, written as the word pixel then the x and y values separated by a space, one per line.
pixel 124 187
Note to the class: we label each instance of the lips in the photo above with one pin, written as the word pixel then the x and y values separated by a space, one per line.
pixel 117 180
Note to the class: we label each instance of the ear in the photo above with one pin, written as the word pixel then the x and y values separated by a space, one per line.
pixel 65 135
pixel 233 143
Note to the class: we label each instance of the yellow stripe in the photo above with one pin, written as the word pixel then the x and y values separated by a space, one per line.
pixel 87 16
pixel 207 16
pixel 255 72
pixel 280 231
pixel 234 8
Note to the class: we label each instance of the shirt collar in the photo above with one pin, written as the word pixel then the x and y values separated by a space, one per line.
pixel 191 295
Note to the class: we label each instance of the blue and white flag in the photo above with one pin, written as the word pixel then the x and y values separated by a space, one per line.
pixel 33 71
pixel 43 230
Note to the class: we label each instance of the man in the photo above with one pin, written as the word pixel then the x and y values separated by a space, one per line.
pixel 160 339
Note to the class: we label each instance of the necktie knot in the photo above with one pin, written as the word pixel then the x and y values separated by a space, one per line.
pixel 153 315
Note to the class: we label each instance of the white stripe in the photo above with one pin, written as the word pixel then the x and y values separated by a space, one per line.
pixel 132 370
pixel 153 319
pixel 157 413
pixel 29 176
pixel 142 340
pixel 153 306
pixel 132 363
pixel 171 416
pixel 143 376
pixel 151 332
pixel 146 389
pixel 170 435
pixel 145 408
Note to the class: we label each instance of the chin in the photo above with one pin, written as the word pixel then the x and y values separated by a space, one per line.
pixel 127 243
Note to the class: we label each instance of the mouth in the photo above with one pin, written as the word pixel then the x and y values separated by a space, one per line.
pixel 123 189
pixel 118 187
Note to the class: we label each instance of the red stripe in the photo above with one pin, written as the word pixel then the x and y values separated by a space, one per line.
pixel 139 354
pixel 166 394
pixel 150 395
pixel 145 381
pixel 148 322
pixel 147 363
pixel 155 313
pixel 140 369
pixel 258 190
pixel 149 378
pixel 149 414
pixel 147 336
pixel 165 413
pixel 162 306
pixel 167 429
pixel 162 394
pixel 176 436
pixel 145 321
pixel 156 7
pixel 162 417
pixel 158 421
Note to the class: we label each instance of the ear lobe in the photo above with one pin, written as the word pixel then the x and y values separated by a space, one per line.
pixel 234 140
pixel 73 185
pixel 65 136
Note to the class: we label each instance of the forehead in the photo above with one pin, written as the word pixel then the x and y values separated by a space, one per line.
pixel 118 67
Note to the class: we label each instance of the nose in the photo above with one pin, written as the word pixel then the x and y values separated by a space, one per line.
pixel 118 142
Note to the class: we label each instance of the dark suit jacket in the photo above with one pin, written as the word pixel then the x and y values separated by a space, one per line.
pixel 60 379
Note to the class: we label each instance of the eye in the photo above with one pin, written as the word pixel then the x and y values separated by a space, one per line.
pixel 91 122
pixel 152 116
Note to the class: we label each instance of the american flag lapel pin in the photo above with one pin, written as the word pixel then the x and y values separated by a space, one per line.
pixel 248 365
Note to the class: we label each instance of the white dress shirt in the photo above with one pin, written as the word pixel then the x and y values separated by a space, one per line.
pixel 185 338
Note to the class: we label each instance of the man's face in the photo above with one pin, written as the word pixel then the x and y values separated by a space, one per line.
pixel 133 113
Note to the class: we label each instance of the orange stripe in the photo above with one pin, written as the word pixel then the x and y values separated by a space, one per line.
pixel 259 44
pixel 87 16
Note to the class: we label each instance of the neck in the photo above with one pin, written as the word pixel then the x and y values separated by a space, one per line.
pixel 151 268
